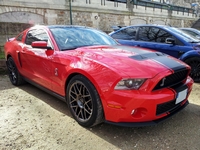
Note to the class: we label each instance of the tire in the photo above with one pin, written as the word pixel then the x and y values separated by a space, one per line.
pixel 194 63
pixel 84 102
pixel 14 75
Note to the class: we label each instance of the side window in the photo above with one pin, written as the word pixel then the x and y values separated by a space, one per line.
pixel 126 34
pixel 36 35
pixel 144 34
pixel 153 34
pixel 19 38
pixel 162 35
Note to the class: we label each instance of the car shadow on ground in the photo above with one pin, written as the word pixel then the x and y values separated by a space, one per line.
pixel 172 133
pixel 181 131
pixel 47 98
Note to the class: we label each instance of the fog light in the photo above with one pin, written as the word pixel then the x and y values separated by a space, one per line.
pixel 139 112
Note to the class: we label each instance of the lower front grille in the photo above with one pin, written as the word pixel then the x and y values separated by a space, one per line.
pixel 167 107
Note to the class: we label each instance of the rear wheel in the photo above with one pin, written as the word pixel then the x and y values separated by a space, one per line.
pixel 194 63
pixel 84 102
pixel 14 75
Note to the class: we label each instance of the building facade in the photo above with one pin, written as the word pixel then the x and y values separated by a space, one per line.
pixel 16 15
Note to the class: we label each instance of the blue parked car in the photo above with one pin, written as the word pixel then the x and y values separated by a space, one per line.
pixel 166 39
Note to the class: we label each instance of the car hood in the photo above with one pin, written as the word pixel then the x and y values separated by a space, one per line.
pixel 131 61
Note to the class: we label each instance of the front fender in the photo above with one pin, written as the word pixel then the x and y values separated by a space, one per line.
pixel 189 54
pixel 103 82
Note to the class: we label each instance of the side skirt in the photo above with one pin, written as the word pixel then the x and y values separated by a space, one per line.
pixel 46 90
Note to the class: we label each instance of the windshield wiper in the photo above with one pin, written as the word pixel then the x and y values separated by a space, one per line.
pixel 90 45
pixel 75 47
pixel 70 48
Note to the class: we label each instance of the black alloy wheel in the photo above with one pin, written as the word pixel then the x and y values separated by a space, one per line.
pixel 194 63
pixel 14 75
pixel 84 102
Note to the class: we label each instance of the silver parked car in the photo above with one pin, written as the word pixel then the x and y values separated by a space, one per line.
pixel 192 31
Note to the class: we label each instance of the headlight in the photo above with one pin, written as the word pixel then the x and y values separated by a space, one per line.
pixel 129 84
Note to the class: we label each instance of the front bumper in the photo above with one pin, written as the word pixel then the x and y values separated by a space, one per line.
pixel 140 108
pixel 148 123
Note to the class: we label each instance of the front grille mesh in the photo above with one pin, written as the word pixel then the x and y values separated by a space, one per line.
pixel 167 107
pixel 172 79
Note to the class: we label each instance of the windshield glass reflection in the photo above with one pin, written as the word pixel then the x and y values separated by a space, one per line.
pixel 69 38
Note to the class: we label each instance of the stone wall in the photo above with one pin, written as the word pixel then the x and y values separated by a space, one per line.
pixel 16 15
pixel 183 3
pixel 9 30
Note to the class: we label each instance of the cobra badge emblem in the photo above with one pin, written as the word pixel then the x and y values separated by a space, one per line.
pixel 56 71
pixel 163 82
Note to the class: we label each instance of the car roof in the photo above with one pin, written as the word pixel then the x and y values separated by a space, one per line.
pixel 66 26
pixel 144 25
pixel 149 25
pixel 62 26
pixel 192 29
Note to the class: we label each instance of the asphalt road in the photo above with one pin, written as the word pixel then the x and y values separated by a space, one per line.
pixel 32 119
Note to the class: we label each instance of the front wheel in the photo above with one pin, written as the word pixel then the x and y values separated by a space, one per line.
pixel 194 63
pixel 84 102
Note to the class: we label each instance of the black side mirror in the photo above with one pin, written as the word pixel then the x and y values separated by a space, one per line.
pixel 170 41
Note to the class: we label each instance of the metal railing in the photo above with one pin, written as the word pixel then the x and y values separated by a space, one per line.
pixel 159 5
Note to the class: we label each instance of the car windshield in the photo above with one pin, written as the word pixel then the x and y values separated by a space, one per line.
pixel 69 38
pixel 184 35
pixel 191 29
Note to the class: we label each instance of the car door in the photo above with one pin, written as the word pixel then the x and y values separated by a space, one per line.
pixel 35 61
pixel 156 38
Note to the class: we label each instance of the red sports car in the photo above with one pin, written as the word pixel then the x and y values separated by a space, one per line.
pixel 100 80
